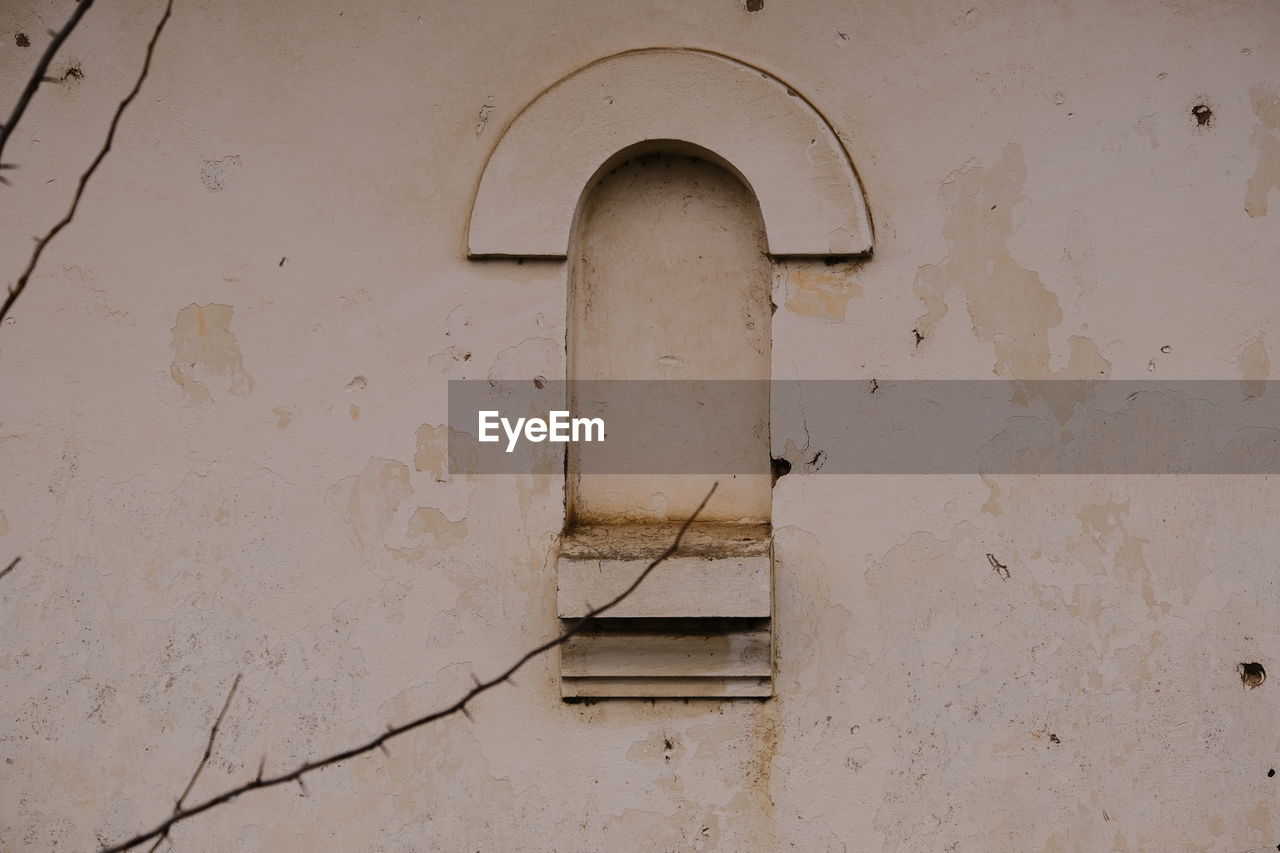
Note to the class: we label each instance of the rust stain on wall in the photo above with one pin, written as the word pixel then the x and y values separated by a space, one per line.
pixel 204 347
pixel 1266 136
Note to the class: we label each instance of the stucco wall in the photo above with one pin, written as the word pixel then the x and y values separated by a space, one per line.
pixel 221 430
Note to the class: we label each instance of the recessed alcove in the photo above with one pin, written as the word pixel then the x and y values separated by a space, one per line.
pixel 670 280
pixel 670 214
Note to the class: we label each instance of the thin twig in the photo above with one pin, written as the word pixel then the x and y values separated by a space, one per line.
pixel 21 283
pixel 395 731
pixel 204 760
pixel 10 567
pixel 38 77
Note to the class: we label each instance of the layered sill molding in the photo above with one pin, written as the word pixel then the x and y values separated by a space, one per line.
pixel 700 626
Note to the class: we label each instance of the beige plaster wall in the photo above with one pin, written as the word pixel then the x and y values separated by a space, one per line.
pixel 221 409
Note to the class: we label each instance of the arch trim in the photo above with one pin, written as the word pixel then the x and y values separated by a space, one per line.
pixel 773 138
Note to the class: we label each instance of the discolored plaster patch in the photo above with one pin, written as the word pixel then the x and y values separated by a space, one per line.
pixel 1110 549
pixel 430 455
pixel 820 292
pixel 1078 257
pixel 1255 368
pixel 204 347
pixel 659 746
pixel 1143 129
pixel 1008 305
pixel 283 418
pixel 992 505
pixel 1266 136
pixel 428 520
pixel 375 496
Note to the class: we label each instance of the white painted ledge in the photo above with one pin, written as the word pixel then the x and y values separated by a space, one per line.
pixel 674 100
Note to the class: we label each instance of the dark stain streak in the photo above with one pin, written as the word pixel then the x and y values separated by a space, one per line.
pixel 919 337
pixel 875 386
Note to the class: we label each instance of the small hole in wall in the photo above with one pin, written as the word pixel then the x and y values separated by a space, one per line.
pixel 1251 674
pixel 754 5
pixel 1202 114
pixel 1271 772
pixel 780 468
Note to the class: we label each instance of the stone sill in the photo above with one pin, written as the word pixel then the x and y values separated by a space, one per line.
pixel 699 626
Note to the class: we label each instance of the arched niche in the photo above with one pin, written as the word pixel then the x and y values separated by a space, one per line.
pixel 668 282
pixel 747 120
pixel 669 285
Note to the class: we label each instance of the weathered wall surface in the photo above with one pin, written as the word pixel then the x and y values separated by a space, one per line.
pixel 220 430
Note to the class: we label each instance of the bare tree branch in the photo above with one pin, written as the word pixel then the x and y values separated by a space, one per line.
pixel 38 77
pixel 204 760
pixel 10 567
pixel 380 741
pixel 41 242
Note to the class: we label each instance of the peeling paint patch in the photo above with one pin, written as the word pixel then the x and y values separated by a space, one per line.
pixel 1266 136
pixel 1255 368
pixel 203 346
pixel 431 452
pixel 820 293
pixel 375 496
pixel 429 520
pixel 1144 128
pixel 1078 256
pixel 1009 306
pixel 992 506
